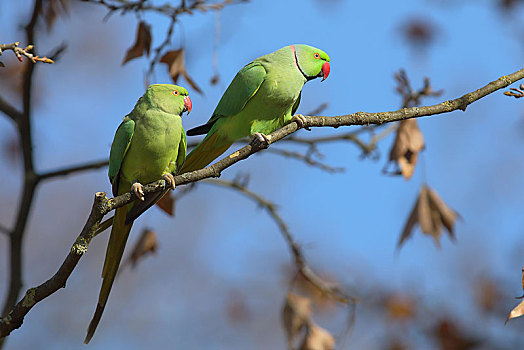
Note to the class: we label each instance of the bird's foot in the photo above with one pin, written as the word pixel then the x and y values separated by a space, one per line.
pixel 260 140
pixel 138 190
pixel 301 121
pixel 170 180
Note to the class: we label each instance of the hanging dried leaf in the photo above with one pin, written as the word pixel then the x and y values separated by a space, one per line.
pixel 295 316
pixel 488 295
pixel 51 9
pixel 516 312
pixel 519 309
pixel 175 61
pixel 400 307
pixel 419 32
pixel 450 337
pixel 167 204
pixel 237 308
pixel 431 213
pixel 522 282
pixel 146 244
pixel 317 338
pixel 409 141
pixel 142 43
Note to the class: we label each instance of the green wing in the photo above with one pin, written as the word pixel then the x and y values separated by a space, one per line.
pixel 182 151
pixel 119 147
pixel 244 86
pixel 297 102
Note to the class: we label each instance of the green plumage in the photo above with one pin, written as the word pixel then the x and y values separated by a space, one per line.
pixel 149 143
pixel 261 99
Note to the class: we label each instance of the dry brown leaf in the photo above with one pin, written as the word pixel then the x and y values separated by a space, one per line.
pixel 146 244
pixel 142 43
pixel 409 141
pixel 175 62
pixel 322 301
pixel 522 280
pixel 516 312
pixel 450 337
pixel 317 338
pixel 400 307
pixel 51 9
pixel 295 316
pixel 167 204
pixel 487 295
pixel 237 308
pixel 519 309
pixel 431 213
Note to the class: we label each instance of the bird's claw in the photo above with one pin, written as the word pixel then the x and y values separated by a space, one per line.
pixel 260 140
pixel 138 190
pixel 301 121
pixel 170 180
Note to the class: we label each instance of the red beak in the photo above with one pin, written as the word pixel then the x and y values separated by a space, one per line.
pixel 325 71
pixel 187 104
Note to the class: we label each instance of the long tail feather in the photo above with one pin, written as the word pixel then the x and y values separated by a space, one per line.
pixel 207 151
pixel 115 250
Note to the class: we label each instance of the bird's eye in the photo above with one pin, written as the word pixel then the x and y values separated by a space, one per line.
pixel 175 92
pixel 316 55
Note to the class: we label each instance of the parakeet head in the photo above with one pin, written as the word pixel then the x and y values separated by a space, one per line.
pixel 311 62
pixel 170 98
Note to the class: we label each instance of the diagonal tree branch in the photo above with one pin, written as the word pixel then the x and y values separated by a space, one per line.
pixel 9 110
pixel 102 205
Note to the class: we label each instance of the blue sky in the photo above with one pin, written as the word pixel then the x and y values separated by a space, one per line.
pixel 349 223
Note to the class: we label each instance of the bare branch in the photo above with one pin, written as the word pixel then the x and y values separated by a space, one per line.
pixel 300 261
pixel 25 52
pixel 517 93
pixel 74 169
pixel 412 98
pixel 30 179
pixel 102 205
pixel 307 158
pixel 9 110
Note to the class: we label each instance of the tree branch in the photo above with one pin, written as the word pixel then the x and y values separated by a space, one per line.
pixel 102 205
pixel 30 178
pixel 25 52
pixel 73 169
pixel 301 266
pixel 9 110
pixel 307 158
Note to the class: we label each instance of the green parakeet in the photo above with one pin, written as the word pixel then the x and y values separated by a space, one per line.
pixel 150 143
pixel 262 98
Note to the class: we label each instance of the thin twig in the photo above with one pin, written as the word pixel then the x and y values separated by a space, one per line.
pixel 73 169
pixel 9 110
pixel 516 92
pixel 307 159
pixel 300 262
pixel 102 205
pixel 24 52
